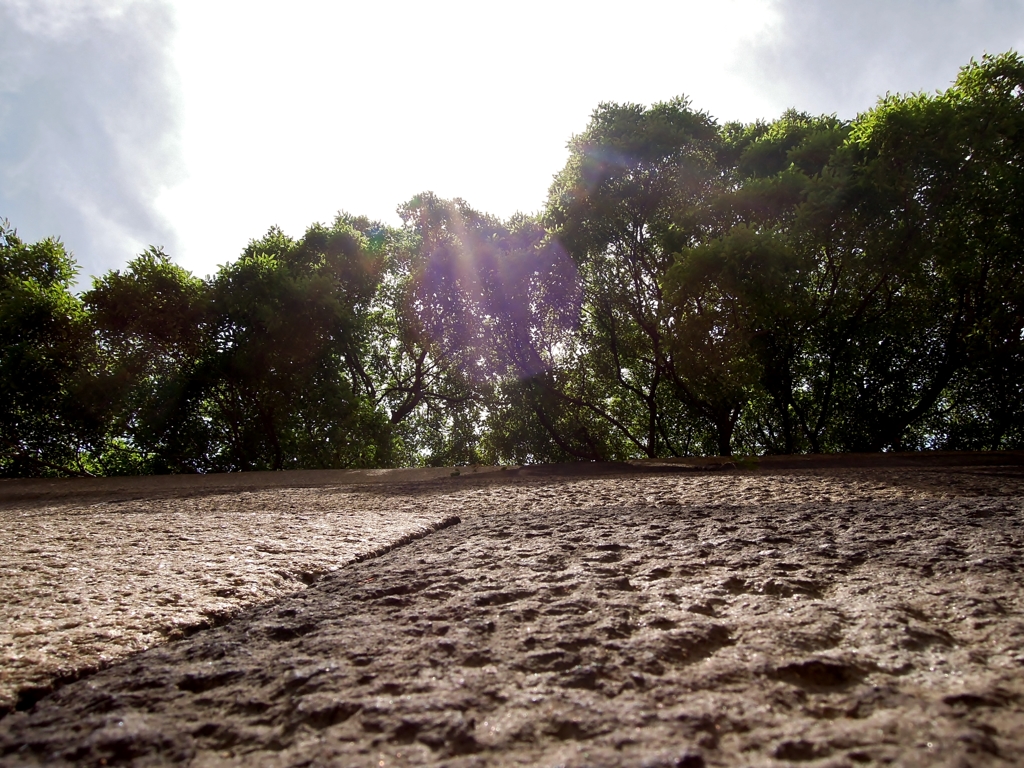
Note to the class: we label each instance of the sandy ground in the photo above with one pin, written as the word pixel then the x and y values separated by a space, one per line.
pixel 817 616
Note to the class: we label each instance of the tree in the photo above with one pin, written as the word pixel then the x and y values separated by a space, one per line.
pixel 930 185
pixel 779 271
pixel 728 296
pixel 637 189
pixel 151 325
pixel 47 420
pixel 284 371
pixel 498 302
pixel 434 410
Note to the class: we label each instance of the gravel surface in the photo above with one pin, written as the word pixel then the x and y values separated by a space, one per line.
pixel 834 617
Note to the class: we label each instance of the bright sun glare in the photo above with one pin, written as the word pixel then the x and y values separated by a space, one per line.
pixel 294 111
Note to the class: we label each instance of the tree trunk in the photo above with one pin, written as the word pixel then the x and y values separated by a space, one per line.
pixel 724 426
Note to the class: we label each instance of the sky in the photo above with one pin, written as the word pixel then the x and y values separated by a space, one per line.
pixel 195 125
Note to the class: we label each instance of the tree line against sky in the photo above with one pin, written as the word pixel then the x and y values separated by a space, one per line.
pixel 691 288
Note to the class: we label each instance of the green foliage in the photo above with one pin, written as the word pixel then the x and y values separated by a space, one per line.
pixel 283 371
pixel 150 321
pixel 637 188
pixel 930 189
pixel 45 359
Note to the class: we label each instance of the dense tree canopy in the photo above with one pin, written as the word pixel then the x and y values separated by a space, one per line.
pixel 46 361
pixel 802 285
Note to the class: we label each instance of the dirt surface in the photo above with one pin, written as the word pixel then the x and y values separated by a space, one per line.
pixel 821 616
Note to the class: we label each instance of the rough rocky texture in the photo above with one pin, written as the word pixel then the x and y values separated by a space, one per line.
pixel 840 617
pixel 82 585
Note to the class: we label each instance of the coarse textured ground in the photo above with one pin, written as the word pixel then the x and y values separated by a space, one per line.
pixel 830 615
pixel 86 581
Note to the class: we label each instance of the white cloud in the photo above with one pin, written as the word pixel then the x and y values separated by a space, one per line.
pixel 836 56
pixel 88 125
